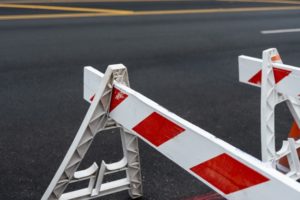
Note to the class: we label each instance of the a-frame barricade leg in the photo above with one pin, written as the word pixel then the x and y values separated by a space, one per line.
pixel 96 120
pixel 276 82
pixel 131 152
pixel 269 99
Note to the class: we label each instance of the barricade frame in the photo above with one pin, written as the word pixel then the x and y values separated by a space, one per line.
pixel 244 176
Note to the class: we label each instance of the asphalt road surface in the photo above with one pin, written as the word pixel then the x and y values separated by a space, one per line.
pixel 186 62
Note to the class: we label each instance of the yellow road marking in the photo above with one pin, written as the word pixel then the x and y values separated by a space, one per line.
pixel 120 1
pixel 64 8
pixel 53 16
pixel 218 10
pixel 263 1
pixel 155 12
pixel 90 1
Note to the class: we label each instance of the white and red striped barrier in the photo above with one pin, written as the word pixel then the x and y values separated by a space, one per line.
pixel 278 83
pixel 285 76
pixel 232 173
pixel 229 171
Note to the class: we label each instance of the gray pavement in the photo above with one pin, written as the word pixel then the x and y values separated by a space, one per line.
pixel 187 63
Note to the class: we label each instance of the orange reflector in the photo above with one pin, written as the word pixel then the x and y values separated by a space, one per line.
pixel 294 133
pixel 276 58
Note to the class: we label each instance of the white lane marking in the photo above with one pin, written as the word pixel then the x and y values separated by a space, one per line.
pixel 292 30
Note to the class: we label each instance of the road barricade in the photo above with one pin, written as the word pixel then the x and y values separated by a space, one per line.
pixel 226 169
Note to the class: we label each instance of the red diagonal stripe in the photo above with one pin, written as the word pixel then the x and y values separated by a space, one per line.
pixel 116 98
pixel 256 79
pixel 279 74
pixel 228 174
pixel 157 129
